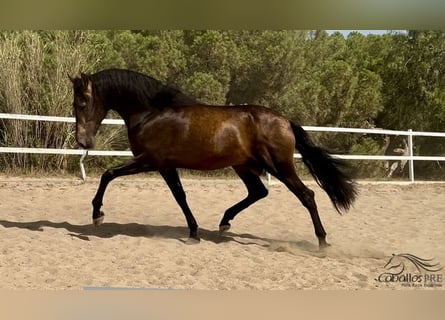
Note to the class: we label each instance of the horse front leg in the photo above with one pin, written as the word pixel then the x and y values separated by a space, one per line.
pixel 132 167
pixel 174 183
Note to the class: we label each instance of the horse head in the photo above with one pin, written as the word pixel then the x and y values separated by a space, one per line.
pixel 88 111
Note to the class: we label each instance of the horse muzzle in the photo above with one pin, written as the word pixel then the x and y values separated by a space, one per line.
pixel 85 142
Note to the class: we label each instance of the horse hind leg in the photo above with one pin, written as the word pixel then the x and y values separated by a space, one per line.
pixel 286 174
pixel 256 191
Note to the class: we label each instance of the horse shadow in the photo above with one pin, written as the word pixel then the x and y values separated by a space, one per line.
pixel 112 229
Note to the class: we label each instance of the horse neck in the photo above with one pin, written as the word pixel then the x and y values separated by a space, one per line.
pixel 135 102
pixel 133 116
pixel 129 109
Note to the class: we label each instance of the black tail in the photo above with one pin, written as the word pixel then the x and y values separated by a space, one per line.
pixel 325 169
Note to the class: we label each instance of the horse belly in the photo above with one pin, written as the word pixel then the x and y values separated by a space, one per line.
pixel 206 156
pixel 222 148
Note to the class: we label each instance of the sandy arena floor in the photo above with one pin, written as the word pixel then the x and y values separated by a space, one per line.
pixel 48 242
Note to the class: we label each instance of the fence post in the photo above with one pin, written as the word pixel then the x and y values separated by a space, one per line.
pixel 411 154
pixel 82 167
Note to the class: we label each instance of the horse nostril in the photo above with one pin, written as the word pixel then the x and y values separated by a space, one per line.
pixel 85 142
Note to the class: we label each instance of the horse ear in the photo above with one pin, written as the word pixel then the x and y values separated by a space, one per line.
pixel 85 79
pixel 87 84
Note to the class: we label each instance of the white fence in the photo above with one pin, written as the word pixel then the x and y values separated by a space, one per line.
pixel 410 158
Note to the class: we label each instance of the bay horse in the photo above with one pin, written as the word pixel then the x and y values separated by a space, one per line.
pixel 168 129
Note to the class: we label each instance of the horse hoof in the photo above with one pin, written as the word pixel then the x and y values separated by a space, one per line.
pixel 224 228
pixel 98 221
pixel 323 245
pixel 191 241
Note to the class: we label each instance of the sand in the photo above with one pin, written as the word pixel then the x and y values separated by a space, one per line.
pixel 48 241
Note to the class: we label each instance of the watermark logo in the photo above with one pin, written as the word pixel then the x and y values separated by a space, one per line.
pixel 409 270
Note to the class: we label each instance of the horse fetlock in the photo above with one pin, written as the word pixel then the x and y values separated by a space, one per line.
pixel 191 241
pixel 322 244
pixel 97 204
pixel 98 219
pixel 224 227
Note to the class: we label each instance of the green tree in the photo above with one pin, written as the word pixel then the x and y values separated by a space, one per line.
pixel 414 92
pixel 414 77
pixel 270 70
pixel 212 57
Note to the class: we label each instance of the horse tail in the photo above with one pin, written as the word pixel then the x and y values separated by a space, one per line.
pixel 325 170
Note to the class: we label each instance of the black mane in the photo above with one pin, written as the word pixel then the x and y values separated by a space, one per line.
pixel 121 87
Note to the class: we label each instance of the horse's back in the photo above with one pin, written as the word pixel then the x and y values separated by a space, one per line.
pixel 210 137
pixel 252 124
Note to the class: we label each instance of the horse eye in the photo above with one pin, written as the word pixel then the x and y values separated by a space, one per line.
pixel 80 102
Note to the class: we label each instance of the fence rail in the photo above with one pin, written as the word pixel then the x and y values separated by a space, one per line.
pixel 83 153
